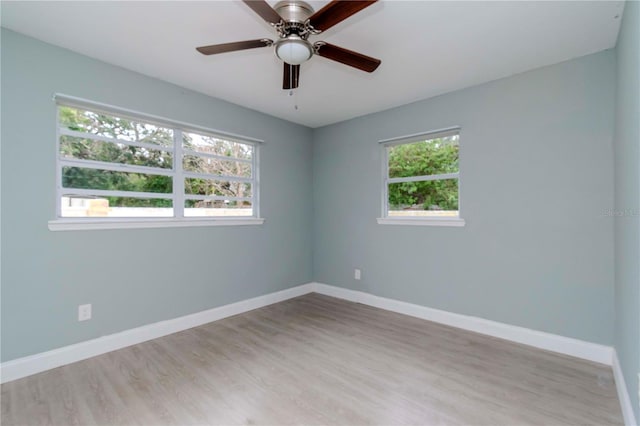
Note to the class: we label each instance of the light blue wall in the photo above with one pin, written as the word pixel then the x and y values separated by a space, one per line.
pixel 132 277
pixel 627 200
pixel 536 180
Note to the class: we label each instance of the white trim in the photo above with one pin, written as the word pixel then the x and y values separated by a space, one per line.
pixel 215 198
pixel 33 364
pixel 72 101
pixel 22 367
pixel 385 185
pixel 58 168
pixel 115 141
pixel 424 178
pixel 224 178
pixel 538 339
pixel 88 223
pixel 178 179
pixel 218 157
pixel 456 221
pixel 116 167
pixel 255 174
pixel 623 394
pixel 65 192
pixel 423 136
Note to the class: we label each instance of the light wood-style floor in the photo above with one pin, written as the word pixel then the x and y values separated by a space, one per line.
pixel 319 360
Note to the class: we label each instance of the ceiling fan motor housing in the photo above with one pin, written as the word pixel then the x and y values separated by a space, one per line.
pixel 295 18
pixel 293 47
pixel 294 11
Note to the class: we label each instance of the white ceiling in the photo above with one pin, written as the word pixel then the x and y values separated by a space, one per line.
pixel 427 48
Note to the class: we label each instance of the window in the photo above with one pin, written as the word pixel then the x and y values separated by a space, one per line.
pixel 121 166
pixel 421 179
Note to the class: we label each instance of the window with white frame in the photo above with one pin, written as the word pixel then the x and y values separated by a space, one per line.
pixel 114 165
pixel 421 176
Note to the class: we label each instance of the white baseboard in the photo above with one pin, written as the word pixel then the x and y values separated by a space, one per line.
pixel 551 342
pixel 37 363
pixel 623 394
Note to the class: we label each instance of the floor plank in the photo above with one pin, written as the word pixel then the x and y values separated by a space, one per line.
pixel 318 360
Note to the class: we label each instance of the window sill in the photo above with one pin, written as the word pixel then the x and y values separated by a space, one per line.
pixel 421 221
pixel 89 224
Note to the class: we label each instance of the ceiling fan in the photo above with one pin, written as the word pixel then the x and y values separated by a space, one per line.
pixel 295 21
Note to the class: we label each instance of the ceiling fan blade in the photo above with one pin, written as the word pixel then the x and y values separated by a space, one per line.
pixel 236 45
pixel 263 9
pixel 347 57
pixel 291 76
pixel 337 11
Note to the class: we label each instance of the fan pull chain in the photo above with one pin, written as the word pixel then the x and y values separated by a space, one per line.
pixel 291 92
pixel 291 79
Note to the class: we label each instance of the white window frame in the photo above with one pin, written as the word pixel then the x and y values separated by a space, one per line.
pixel 385 219
pixel 178 175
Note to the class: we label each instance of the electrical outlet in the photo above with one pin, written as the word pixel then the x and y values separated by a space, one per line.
pixel 357 274
pixel 84 312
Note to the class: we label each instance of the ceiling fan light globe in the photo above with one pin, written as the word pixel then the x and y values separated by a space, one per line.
pixel 294 51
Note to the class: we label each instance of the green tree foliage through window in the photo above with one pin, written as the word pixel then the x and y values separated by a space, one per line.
pixel 216 166
pixel 425 158
pixel 117 128
pixel 203 155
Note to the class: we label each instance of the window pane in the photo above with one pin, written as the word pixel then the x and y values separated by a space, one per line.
pixel 217 187
pixel 430 157
pixel 215 166
pixel 204 208
pixel 114 127
pixel 84 206
pixel 428 198
pixel 88 149
pixel 83 178
pixel 217 146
